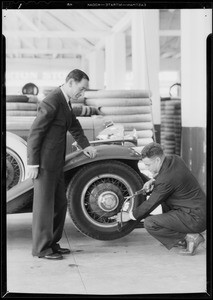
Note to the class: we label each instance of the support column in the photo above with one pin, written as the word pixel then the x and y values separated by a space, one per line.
pixel 96 69
pixel 146 58
pixel 195 27
pixel 115 56
pixel 139 62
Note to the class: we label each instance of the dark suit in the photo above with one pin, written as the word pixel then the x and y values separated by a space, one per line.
pixel 46 147
pixel 183 204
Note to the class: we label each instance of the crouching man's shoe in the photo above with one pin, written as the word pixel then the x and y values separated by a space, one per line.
pixel 193 241
pixel 181 244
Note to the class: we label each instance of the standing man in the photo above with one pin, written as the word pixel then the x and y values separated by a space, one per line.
pixel 46 149
pixel 183 202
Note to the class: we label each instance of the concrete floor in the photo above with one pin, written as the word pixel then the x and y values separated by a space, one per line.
pixel 135 264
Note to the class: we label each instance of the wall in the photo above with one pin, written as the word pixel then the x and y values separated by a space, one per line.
pixel 195 27
pixel 42 72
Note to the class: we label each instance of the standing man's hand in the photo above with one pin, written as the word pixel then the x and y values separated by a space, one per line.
pixel 90 151
pixel 33 172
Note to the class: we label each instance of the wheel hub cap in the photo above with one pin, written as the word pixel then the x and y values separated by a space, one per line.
pixel 108 201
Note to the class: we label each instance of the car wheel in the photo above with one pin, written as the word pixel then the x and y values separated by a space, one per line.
pixel 97 192
pixel 16 156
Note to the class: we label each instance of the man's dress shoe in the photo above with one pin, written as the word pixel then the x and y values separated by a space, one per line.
pixel 193 241
pixel 63 251
pixel 53 256
pixel 181 244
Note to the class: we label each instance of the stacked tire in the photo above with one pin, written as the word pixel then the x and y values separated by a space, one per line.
pixel 21 110
pixel 130 108
pixel 171 125
pixel 80 109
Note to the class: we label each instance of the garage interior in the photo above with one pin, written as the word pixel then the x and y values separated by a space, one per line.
pixel 161 52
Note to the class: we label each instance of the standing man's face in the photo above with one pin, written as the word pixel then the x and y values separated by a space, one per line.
pixel 77 89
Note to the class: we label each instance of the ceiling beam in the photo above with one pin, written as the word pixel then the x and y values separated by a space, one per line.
pixel 25 20
pixel 42 51
pixel 93 19
pixel 123 24
pixel 56 34
pixel 105 16
pixel 83 41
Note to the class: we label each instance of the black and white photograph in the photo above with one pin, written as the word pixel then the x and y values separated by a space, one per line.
pixel 106 122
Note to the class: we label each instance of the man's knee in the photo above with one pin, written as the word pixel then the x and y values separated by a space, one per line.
pixel 148 223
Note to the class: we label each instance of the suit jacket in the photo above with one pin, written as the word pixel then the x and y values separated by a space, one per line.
pixel 46 145
pixel 176 188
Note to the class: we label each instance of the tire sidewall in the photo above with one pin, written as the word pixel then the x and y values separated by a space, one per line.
pixel 76 201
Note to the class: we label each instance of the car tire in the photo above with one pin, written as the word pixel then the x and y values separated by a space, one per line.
pixel 97 192
pixel 17 98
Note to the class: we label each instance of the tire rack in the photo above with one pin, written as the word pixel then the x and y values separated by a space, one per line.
pixel 171 125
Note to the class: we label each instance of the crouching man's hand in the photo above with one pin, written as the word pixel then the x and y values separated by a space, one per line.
pixel 90 151
pixel 123 217
pixel 148 186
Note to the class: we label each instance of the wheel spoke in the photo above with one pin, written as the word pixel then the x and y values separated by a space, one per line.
pixel 13 171
pixel 101 212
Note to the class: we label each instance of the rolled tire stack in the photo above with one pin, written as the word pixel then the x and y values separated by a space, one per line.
pixel 21 111
pixel 171 125
pixel 130 108
pixel 81 110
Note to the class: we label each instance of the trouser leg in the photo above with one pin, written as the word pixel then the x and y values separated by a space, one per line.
pixel 60 210
pixel 167 228
pixel 43 212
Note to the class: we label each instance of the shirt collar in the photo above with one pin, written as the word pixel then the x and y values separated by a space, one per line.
pixel 65 95
pixel 161 167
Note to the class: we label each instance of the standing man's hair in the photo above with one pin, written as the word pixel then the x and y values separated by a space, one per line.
pixel 151 150
pixel 77 75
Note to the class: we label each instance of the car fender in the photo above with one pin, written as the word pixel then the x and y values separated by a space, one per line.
pixel 104 152
pixel 19 195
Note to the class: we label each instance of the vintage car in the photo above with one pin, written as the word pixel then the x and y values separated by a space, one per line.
pixel 96 188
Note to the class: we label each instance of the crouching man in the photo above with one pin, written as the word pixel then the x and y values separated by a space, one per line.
pixel 182 199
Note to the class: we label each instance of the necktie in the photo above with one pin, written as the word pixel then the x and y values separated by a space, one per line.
pixel 70 106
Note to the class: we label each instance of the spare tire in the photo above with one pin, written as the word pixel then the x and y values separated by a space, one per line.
pixel 21 106
pixel 118 94
pixel 130 118
pixel 19 123
pixel 144 141
pixel 118 102
pixel 142 133
pixel 122 110
pixel 138 126
pixel 22 113
pixel 16 98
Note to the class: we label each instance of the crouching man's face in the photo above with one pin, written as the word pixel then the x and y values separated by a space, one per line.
pixel 152 164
